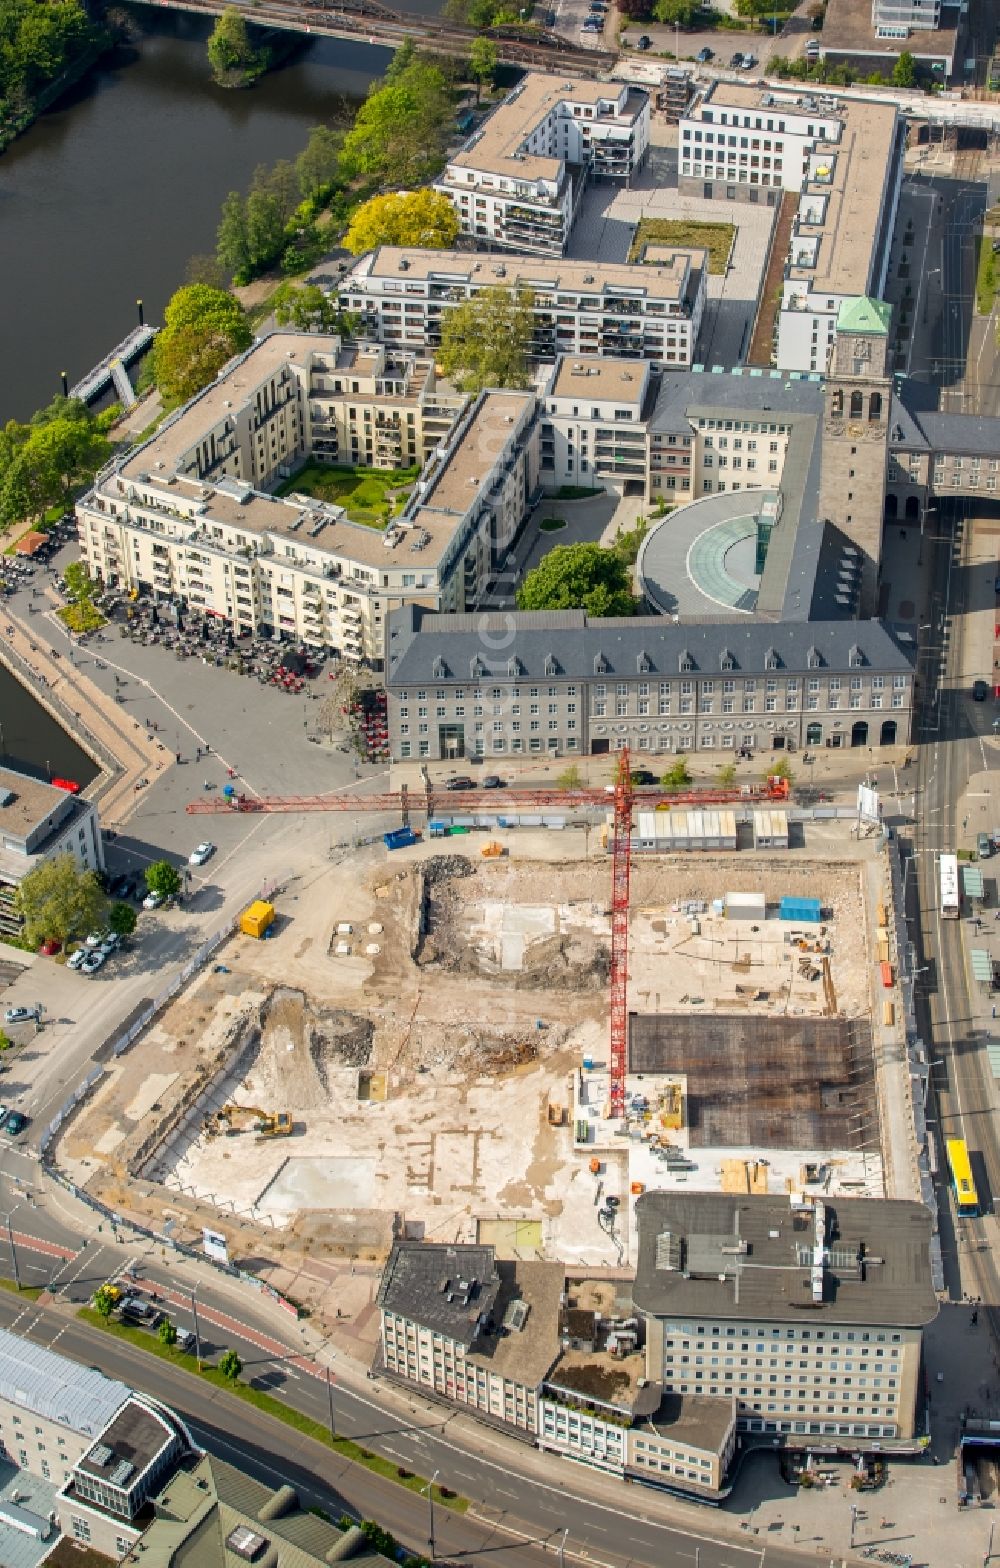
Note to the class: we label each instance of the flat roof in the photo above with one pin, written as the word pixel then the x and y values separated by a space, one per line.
pixel 847 29
pixel 588 375
pixel 134 1437
pixel 31 803
pixel 855 191
pixel 662 280
pixel 52 1386
pixel 530 1295
pixel 470 457
pixel 739 1256
pixel 610 1380
pixel 696 1419
pixel 495 146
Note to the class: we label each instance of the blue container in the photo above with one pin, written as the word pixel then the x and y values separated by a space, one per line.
pixel 803 911
pixel 588 1063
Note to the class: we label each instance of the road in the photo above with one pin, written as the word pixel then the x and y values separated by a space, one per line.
pixel 516 1521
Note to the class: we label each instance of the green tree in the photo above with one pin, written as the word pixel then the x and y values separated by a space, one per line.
pixel 40 462
pixel 306 307
pixel 579 576
pixel 424 218
pixel 727 775
pixel 782 769
pixel 122 919
pixel 483 61
pixel 60 901
pixel 265 230
pixel 202 268
pixel 317 166
pixel 230 1366
pixel 399 132
pixel 232 238
pixel 161 877
pixel 904 72
pixel 167 1333
pixel 203 328
pixel 678 776
pixel 231 54
pixel 675 13
pixel 80 586
pixel 485 340
pixel 570 777
pixel 106 1298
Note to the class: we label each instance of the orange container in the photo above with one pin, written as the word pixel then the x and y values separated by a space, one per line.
pixel 886 973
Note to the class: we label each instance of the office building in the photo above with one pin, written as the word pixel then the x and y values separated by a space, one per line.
pixel 843 158
pixel 808 1314
pixel 649 312
pixel 38 822
pixel 517 181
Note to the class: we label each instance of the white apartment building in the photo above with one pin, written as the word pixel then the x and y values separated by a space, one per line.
pixel 900 18
pixel 630 312
pixel 844 159
pixel 808 1314
pixel 38 822
pixel 462 1326
pixel 518 179
pixel 187 515
pixel 593 430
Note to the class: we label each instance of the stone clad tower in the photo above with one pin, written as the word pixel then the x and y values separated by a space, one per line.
pixel 856 434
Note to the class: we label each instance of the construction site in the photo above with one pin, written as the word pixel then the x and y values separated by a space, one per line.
pixel 421 1047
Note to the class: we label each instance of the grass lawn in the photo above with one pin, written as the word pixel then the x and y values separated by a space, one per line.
pixel 552 525
pixel 29 1292
pixel 716 238
pixel 143 1339
pixel 363 492
pixel 986 275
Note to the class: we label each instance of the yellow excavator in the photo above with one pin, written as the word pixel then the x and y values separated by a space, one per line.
pixel 251 1118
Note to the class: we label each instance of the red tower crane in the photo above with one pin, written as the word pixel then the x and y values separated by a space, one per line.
pixel 621 859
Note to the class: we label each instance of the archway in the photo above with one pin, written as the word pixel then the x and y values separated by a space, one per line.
pixel 891 506
pixel 859 733
pixel 912 509
pixel 888 734
pixel 814 734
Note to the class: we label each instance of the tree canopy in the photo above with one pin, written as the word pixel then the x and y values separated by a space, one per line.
pixel 485 340
pixel 579 576
pixel 422 217
pixel 318 164
pixel 37 42
pixel 675 12
pixel 41 461
pixel 306 307
pixel 483 13
pixel 398 135
pixel 904 72
pixel 233 57
pixel 162 877
pixel 203 328
pixel 59 901
pixel 483 61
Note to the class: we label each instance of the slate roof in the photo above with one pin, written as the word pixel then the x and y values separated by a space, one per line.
pixel 548 644
pixel 49 1385
pixel 916 424
pixel 447 1289
pixel 876 1268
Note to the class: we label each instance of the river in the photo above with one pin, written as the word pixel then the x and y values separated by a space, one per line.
pixel 30 739
pixel 104 200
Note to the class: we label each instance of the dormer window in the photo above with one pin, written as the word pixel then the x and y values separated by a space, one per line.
pixel 855 659
pixel 813 660
pixel 727 661
pixel 601 665
pixel 551 664
pixel 685 663
pixel 440 670
pixel 644 663
pixel 477 667
pixel 771 660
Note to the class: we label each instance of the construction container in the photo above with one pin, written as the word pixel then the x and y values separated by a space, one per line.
pixel 883 947
pixel 888 1013
pixel 400 838
pixel 882 915
pixel 885 970
pixel 802 910
pixel 770 829
pixel 637 1188
pixel 746 906
pixel 258 919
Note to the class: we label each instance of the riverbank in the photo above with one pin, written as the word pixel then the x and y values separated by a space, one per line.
pixel 57 88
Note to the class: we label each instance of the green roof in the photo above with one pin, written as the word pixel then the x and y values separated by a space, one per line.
pixel 864 315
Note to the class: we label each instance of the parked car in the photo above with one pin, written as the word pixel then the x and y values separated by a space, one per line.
pixel 984 846
pixel 15 1124
pixel 152 901
pixel 185 1339
pixel 93 962
pixel 22 1015
pixel 112 942
pixel 812 48
pixel 704 55
pixel 643 776
pixel 493 781
pixel 461 783
pixel 643 42
pixel 199 855
pixel 736 60
pixel 140 1311
pixel 50 947
pixel 77 959
pixel 123 887
pixel 748 63
pixel 980 691
pixel 94 938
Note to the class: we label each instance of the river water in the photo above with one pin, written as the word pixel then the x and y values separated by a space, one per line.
pixel 104 200
pixel 31 739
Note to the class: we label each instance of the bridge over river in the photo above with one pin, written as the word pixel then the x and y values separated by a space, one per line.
pixel 372 22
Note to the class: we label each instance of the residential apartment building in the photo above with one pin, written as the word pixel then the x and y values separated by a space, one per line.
pixel 593 433
pixel 518 179
pixel 900 18
pixel 187 515
pixel 808 1314
pixel 560 684
pixel 478 1332
pixel 649 312
pixel 844 160
pixel 38 822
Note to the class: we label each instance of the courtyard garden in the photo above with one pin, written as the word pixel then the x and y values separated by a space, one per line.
pixel 370 496
pixel 652 234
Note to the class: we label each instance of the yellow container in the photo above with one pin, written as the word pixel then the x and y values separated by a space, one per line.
pixel 257 919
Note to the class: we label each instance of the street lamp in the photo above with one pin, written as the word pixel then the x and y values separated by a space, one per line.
pixel 430 1512
pixel 562 1548
pixel 329 1396
pixel 197 1334
pixel 10 1243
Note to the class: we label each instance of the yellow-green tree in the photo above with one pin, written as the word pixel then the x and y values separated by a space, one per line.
pixel 203 328
pixel 423 217
pixel 60 901
pixel 485 340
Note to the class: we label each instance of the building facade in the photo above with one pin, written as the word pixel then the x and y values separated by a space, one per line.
pixel 518 179
pixel 39 822
pixel 844 160
pixel 810 1315
pixel 626 312
pixel 560 684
